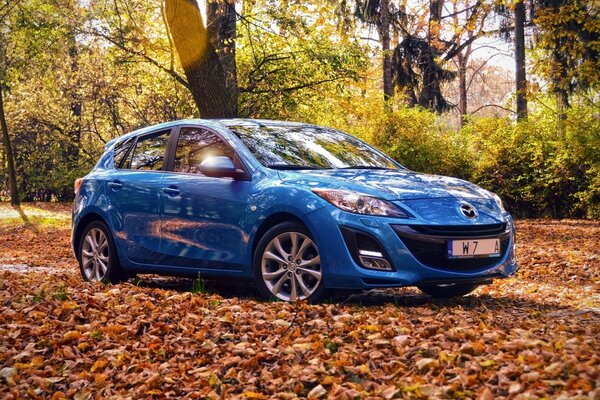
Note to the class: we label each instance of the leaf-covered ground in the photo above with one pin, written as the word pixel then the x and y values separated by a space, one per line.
pixel 533 336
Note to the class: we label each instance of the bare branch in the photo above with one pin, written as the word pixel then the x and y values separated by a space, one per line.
pixel 292 88
pixel 492 105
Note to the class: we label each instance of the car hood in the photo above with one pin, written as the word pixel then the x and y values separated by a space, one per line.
pixel 430 198
pixel 387 184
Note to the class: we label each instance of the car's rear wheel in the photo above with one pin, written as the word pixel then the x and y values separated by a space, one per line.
pixel 287 264
pixel 446 291
pixel 98 260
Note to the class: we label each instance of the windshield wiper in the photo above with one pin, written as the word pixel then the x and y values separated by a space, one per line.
pixel 367 167
pixel 292 166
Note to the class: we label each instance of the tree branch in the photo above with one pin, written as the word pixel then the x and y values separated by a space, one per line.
pixel 291 88
pixel 143 55
pixel 492 105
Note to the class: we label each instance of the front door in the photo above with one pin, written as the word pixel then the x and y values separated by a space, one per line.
pixel 202 217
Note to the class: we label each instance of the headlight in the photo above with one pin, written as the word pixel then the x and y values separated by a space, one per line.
pixel 360 204
pixel 498 201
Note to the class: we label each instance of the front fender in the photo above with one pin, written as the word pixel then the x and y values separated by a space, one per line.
pixel 277 199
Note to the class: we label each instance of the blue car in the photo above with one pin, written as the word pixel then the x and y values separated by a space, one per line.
pixel 298 209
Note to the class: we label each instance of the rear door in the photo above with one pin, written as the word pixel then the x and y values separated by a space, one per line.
pixel 134 193
pixel 202 217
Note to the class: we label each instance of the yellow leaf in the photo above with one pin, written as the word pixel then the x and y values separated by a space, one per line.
pixel 253 395
pixel 72 335
pixel 99 364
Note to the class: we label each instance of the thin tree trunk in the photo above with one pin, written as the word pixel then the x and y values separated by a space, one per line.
pixel 12 174
pixel 221 25
pixel 431 89
pixel 384 32
pixel 199 60
pixel 562 105
pixel 521 77
pixel 462 87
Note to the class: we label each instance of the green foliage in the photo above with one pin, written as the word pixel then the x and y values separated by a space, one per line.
pixel 199 286
pixel 537 169
pixel 421 141
pixel 289 55
pixel 568 45
pixel 60 294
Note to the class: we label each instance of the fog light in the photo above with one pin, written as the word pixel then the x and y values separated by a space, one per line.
pixel 374 260
pixel 370 253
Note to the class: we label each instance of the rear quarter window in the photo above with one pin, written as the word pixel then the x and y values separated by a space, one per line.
pixel 121 150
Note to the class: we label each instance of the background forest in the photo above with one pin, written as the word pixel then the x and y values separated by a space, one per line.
pixel 417 78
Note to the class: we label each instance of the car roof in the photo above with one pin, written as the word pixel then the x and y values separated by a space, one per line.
pixel 221 122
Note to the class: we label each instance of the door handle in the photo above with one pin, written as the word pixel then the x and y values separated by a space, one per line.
pixel 171 191
pixel 115 185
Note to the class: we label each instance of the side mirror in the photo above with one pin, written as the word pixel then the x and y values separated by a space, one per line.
pixel 220 167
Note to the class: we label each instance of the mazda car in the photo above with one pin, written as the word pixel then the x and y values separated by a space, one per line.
pixel 295 209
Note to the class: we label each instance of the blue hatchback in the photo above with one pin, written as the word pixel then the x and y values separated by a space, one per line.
pixel 296 208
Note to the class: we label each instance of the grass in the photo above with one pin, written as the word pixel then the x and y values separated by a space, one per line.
pixel 36 215
pixel 199 286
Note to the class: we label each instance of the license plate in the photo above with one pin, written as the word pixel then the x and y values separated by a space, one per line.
pixel 473 248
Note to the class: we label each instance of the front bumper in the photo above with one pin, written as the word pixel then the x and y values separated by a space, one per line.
pixel 409 261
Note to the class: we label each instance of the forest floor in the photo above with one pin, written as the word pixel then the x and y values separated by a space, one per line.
pixel 536 335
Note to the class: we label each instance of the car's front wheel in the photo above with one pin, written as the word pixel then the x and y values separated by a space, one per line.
pixel 446 291
pixel 287 264
pixel 98 259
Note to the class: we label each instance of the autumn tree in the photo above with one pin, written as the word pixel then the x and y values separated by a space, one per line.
pixel 294 55
pixel 421 58
pixel 203 69
pixel 520 72
pixel 567 37
pixel 380 14
pixel 221 24
pixel 5 30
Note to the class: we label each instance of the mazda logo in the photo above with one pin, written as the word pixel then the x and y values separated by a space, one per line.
pixel 468 210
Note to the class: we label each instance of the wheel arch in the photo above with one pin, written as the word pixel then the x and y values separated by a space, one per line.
pixel 81 225
pixel 271 221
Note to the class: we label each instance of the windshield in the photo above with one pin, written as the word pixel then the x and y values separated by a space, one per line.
pixel 308 147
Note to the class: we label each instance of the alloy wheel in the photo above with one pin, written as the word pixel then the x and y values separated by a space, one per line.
pixel 291 266
pixel 95 255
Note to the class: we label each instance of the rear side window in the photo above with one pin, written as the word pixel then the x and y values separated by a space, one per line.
pixel 121 150
pixel 149 152
pixel 196 145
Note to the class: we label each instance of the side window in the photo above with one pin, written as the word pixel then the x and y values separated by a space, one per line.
pixel 149 152
pixel 196 145
pixel 121 149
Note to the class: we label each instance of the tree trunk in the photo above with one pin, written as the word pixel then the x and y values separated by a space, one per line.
pixel 199 59
pixel 384 32
pixel 462 87
pixel 12 174
pixel 221 25
pixel 73 143
pixel 562 105
pixel 521 78
pixel 431 89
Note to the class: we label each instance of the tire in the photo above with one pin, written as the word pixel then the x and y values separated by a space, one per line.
pixel 282 275
pixel 448 291
pixel 98 260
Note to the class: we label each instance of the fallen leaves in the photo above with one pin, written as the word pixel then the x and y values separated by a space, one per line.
pixel 535 335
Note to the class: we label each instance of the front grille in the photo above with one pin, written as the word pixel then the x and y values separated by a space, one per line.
pixel 429 244
pixel 461 230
